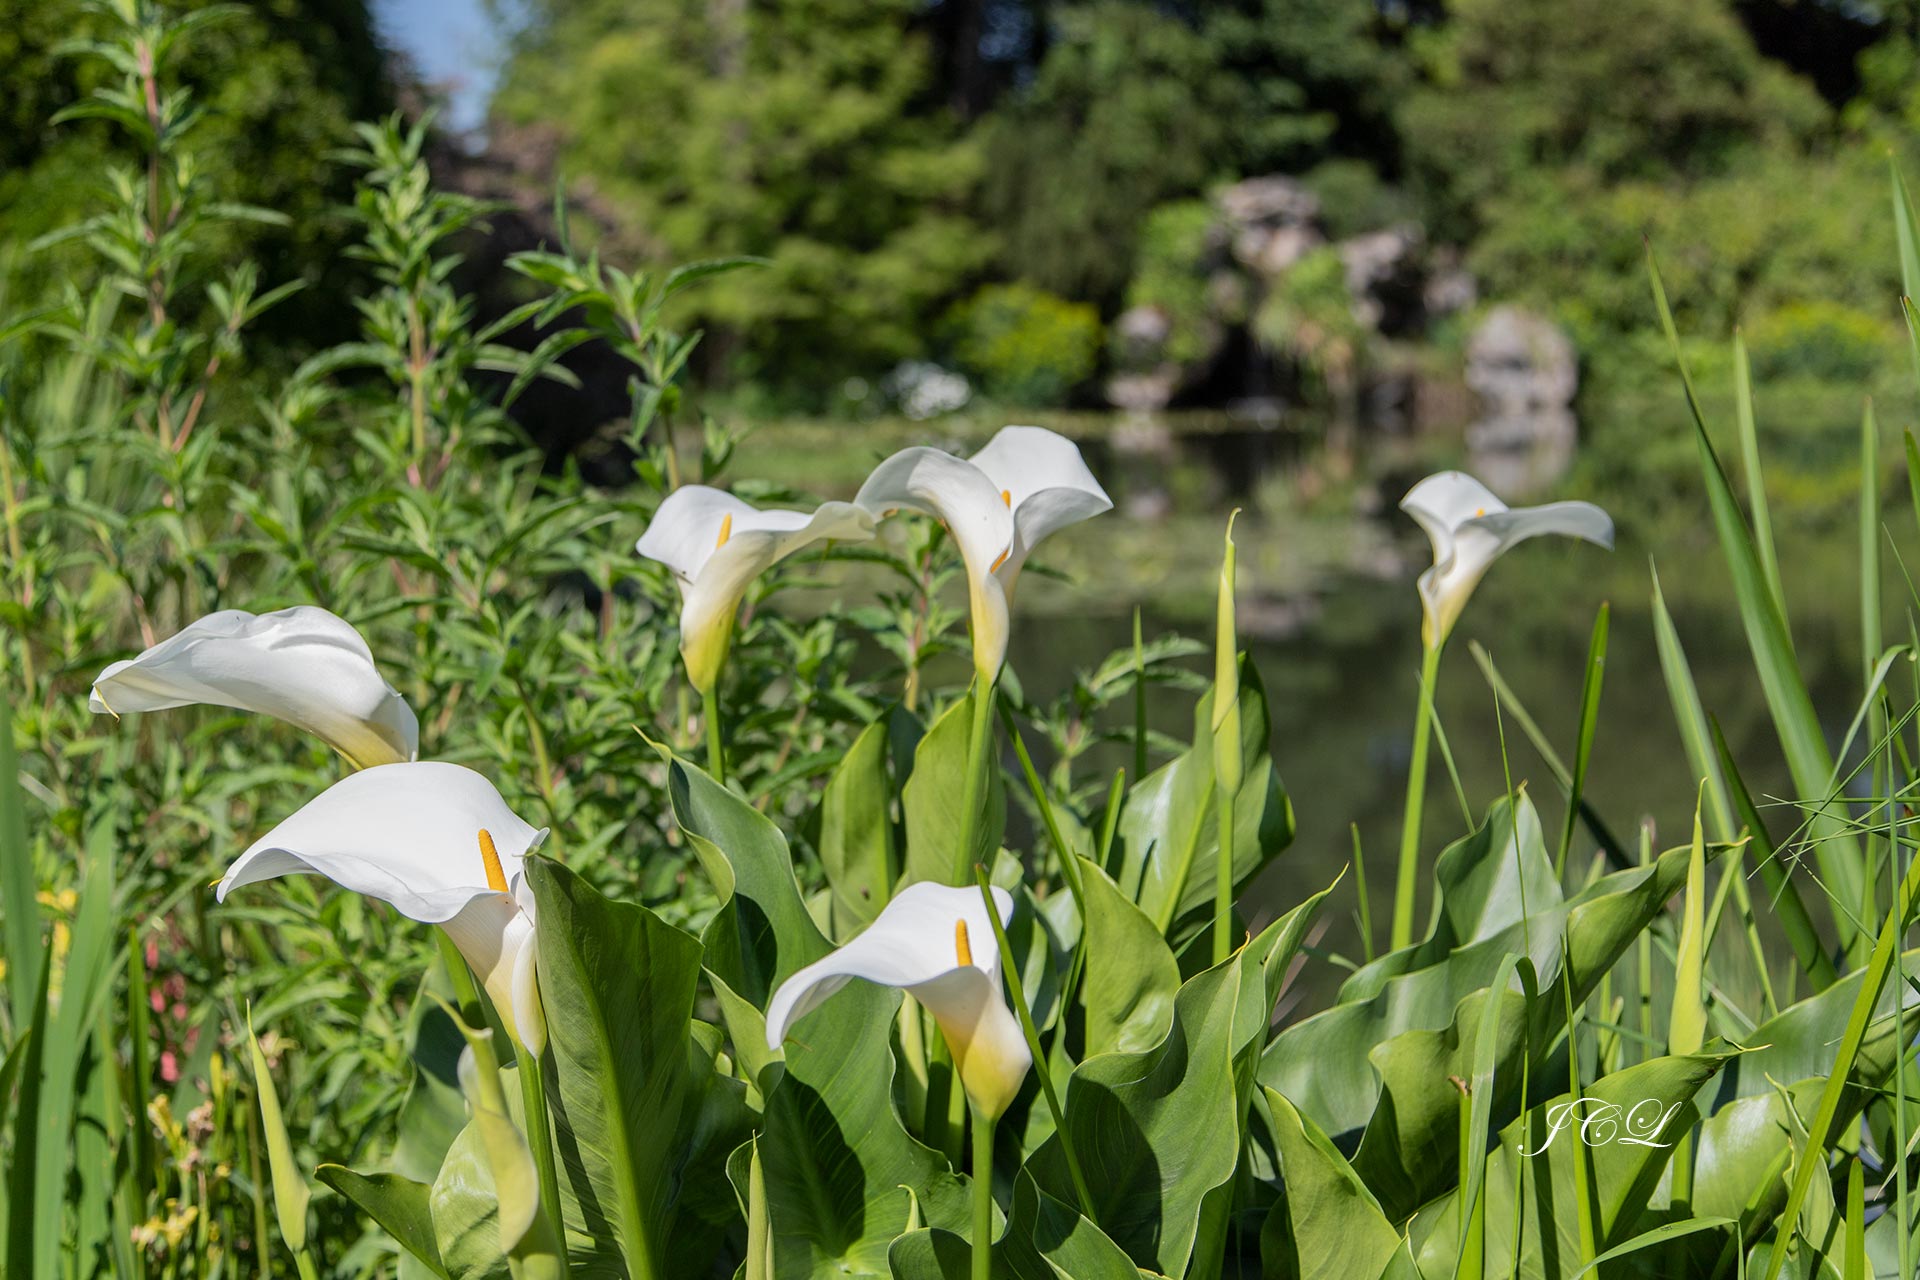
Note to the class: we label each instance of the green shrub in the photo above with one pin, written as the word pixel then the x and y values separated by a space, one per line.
pixel 1172 275
pixel 1025 345
pixel 1825 340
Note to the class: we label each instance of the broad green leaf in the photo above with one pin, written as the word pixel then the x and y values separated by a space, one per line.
pixel 433 1113
pixel 634 1096
pixel 935 794
pixel 1484 883
pixel 762 931
pixel 1168 831
pixel 1327 1225
pixel 1129 988
pixel 400 1205
pixel 1044 1239
pixel 1378 1066
pixel 1161 1128
pixel 1628 1154
pixel 856 832
pixel 841 1173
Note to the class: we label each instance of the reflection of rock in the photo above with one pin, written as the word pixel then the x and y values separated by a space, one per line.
pixel 1519 361
pixel 1524 369
pixel 1272 223
pixel 1523 455
pixel 1144 379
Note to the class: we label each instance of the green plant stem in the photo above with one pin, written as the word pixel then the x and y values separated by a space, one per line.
pixel 982 1195
pixel 1360 886
pixel 466 996
pixel 1010 966
pixel 1224 797
pixel 1139 701
pixel 974 796
pixel 304 1260
pixel 1404 886
pixel 716 748
pixel 533 1093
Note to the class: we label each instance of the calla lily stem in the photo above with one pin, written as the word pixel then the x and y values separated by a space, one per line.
pixel 716 749
pixel 979 752
pixel 1405 885
pixel 533 1094
pixel 1223 876
pixel 982 1195
pixel 1012 968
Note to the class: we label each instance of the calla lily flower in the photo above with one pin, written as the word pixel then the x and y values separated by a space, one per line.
pixel 936 943
pixel 999 505
pixel 716 546
pixel 1470 528
pixel 437 843
pixel 302 665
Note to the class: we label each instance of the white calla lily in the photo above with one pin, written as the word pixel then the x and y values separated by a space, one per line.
pixel 936 943
pixel 1470 528
pixel 716 546
pixel 437 843
pixel 303 665
pixel 1026 484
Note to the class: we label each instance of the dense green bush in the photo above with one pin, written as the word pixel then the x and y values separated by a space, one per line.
pixel 1177 258
pixel 1024 345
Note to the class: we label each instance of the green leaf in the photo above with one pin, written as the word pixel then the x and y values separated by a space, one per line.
pixel 1044 1239
pixel 1169 830
pixel 1531 1196
pixel 935 795
pixel 1327 1225
pixel 19 903
pixel 1129 990
pixel 841 1172
pixel 400 1205
pixel 634 1096
pixel 290 1193
pixel 1166 1123
pixel 763 931
pixel 1377 1065
pixel 856 832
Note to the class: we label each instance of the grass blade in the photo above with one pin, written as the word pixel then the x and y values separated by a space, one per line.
pixel 1615 851
pixel 1785 899
pixel 1589 718
pixel 1756 478
pixel 1794 719
pixel 1690 715
pixel 1812 1157
pixel 19 905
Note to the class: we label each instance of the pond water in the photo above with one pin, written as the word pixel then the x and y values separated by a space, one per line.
pixel 1329 610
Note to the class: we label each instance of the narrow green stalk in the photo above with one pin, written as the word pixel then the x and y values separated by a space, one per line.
pixel 1010 965
pixel 1139 700
pixel 1069 871
pixel 974 797
pixel 1589 719
pixel 1229 769
pixel 716 749
pixel 1360 888
pixel 1223 877
pixel 466 996
pixel 533 1094
pixel 1110 819
pixel 982 1196
pixel 1405 886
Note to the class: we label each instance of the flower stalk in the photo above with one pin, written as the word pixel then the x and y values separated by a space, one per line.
pixel 1229 767
pixel 1405 884
pixel 982 1195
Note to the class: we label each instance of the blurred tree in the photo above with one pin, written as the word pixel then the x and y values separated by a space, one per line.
pixel 280 82
pixel 1126 112
pixel 1521 92
pixel 801 130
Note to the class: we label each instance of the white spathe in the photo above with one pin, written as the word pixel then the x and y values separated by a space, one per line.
pixel 1026 484
pixel 717 545
pixel 936 943
pixel 1470 528
pixel 410 835
pixel 303 665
